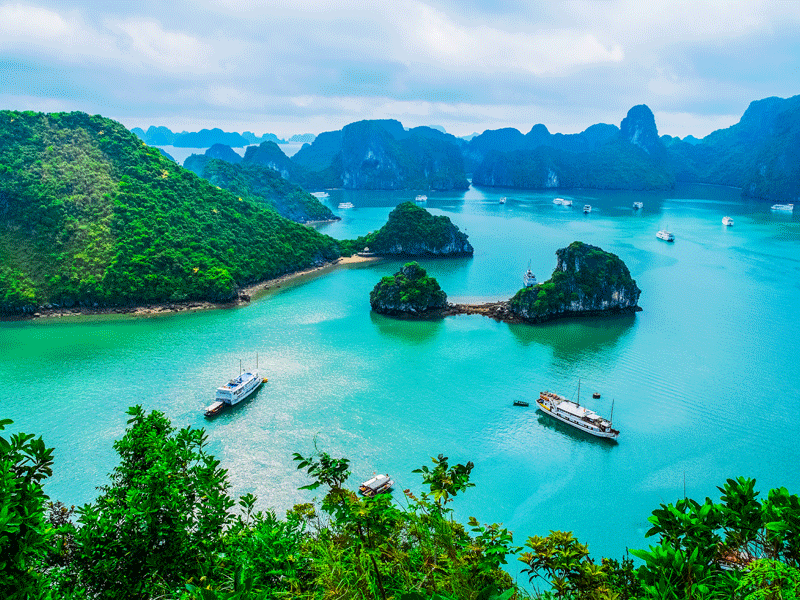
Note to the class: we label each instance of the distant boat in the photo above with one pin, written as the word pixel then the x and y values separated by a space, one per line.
pixel 529 279
pixel 503 200
pixel 787 207
pixel 579 417
pixel 727 221
pixel 320 194
pixel 587 208
pixel 379 484
pixel 562 202
pixel 638 205
pixel 346 205
pixel 420 198
pixel 665 235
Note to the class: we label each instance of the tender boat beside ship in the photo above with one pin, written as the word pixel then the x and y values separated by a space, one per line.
pixel 380 484
pixel 579 417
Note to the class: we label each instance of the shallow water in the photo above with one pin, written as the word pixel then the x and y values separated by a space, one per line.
pixel 703 379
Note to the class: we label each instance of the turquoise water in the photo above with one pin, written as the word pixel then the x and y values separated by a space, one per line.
pixel 704 380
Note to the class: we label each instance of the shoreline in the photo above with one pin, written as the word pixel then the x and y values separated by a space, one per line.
pixel 244 297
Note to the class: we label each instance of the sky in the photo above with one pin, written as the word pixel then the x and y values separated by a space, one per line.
pixel 298 66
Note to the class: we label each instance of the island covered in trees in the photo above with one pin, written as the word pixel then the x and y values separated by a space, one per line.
pixel 409 291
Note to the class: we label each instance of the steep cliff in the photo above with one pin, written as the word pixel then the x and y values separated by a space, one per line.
pixel 410 291
pixel 602 157
pixel 586 281
pixel 223 152
pixel 412 231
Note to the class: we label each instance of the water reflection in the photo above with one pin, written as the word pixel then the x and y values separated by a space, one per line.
pixel 406 330
pixel 576 339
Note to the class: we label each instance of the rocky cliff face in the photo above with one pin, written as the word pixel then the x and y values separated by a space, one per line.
pixel 586 281
pixel 412 231
pixel 639 128
pixel 223 152
pixel 409 292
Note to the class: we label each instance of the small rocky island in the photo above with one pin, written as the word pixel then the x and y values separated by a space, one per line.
pixel 587 281
pixel 412 231
pixel 409 292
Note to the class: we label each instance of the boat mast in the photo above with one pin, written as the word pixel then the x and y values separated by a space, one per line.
pixel 256 361
pixel 579 392
pixel 611 420
pixel 240 366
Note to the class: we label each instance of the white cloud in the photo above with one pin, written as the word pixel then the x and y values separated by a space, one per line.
pixel 20 21
pixel 431 36
pixel 681 124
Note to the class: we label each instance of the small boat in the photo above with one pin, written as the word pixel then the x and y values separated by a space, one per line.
pixel 562 202
pixel 213 409
pixel 529 279
pixel 320 194
pixel 596 395
pixel 503 200
pixel 587 208
pixel 521 403
pixel 346 205
pixel 579 417
pixel 638 205
pixel 665 235
pixel 421 198
pixel 727 221
pixel 380 484
pixel 787 207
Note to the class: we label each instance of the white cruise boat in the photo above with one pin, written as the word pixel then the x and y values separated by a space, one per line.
pixel 566 202
pixel 380 484
pixel 346 205
pixel 787 207
pixel 587 208
pixel 320 194
pixel 727 221
pixel 638 205
pixel 239 388
pixel 562 202
pixel 580 417
pixel 421 198
pixel 529 279
pixel 665 235
pixel 503 200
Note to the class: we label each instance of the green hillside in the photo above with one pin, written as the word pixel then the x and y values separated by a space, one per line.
pixel 91 215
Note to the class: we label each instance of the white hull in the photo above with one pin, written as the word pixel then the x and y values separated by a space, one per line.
pixel 727 221
pixel 786 207
pixel 577 425
pixel 233 393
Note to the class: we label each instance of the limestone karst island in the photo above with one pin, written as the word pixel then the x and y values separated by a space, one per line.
pixel 412 300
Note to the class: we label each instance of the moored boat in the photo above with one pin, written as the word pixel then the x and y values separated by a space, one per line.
pixel 346 205
pixel 587 208
pixel 380 484
pixel 503 200
pixel 529 279
pixel 788 207
pixel 579 417
pixel 727 221
pixel 421 198
pixel 214 408
pixel 320 194
pixel 638 205
pixel 562 202
pixel 665 235
pixel 521 403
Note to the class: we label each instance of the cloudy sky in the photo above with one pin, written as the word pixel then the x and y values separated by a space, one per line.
pixel 296 66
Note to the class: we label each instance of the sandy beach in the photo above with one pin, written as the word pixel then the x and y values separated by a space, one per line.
pixel 246 295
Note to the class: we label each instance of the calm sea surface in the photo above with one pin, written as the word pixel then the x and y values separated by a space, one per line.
pixel 704 381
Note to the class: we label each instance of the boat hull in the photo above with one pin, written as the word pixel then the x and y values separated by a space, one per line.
pixel 611 435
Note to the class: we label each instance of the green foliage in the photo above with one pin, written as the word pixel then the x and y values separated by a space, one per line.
pixel 767 579
pixel 411 230
pixel 409 291
pixel 92 215
pixel 25 537
pixel 585 275
pixel 160 519
pixel 445 481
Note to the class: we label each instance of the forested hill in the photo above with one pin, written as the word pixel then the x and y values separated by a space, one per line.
pixel 89 214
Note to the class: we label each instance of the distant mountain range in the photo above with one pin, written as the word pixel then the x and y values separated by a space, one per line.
pixel 760 154
pixel 163 136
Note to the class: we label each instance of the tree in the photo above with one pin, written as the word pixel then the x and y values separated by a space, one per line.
pixel 24 534
pixel 160 520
